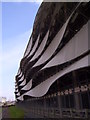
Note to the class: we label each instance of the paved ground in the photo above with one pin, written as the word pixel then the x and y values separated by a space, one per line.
pixel 5 112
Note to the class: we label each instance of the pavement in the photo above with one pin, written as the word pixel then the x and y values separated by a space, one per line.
pixel 5 112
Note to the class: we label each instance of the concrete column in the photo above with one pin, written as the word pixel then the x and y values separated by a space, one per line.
pixel 59 100
pixel 44 107
pixel 60 105
pixel 76 96
pixel 89 40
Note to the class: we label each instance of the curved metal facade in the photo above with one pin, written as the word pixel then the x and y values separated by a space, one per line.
pixel 55 67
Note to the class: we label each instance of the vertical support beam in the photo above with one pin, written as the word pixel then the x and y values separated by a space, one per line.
pixel 87 83
pixel 76 96
pixel 59 100
pixel 89 40
pixel 60 105
pixel 44 107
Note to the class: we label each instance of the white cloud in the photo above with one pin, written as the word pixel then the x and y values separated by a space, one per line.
pixel 10 63
pixel 15 50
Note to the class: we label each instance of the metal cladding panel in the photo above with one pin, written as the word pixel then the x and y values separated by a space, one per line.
pixel 18 94
pixel 20 75
pixel 28 48
pixel 89 40
pixel 53 46
pixel 27 86
pixel 63 48
pixel 22 78
pixel 75 47
pixel 41 47
pixel 23 83
pixel 36 43
pixel 41 89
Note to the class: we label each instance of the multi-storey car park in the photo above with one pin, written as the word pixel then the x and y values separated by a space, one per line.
pixel 53 79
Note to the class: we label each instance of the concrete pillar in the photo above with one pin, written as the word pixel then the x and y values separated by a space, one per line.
pixel 60 105
pixel 89 40
pixel 76 96
pixel 44 107
pixel 59 100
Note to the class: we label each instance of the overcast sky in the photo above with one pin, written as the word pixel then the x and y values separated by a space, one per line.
pixel 17 24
